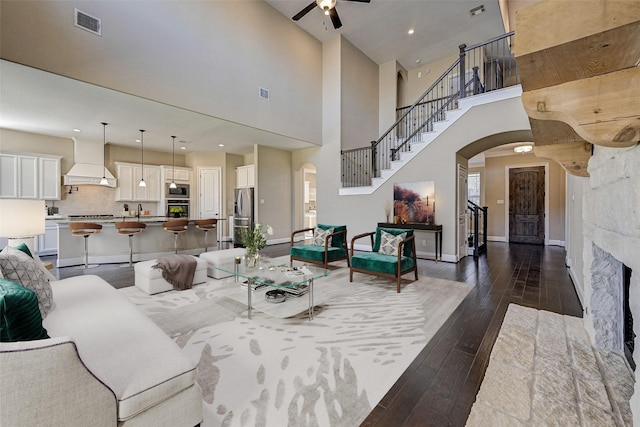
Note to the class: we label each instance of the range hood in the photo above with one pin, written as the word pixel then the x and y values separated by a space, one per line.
pixel 88 169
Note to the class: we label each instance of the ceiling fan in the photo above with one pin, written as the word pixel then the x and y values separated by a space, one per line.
pixel 329 8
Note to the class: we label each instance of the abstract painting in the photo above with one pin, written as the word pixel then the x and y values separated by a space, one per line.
pixel 414 202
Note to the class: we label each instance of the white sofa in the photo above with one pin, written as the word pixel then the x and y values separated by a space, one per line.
pixel 105 364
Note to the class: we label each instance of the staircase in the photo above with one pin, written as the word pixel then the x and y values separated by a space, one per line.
pixel 480 69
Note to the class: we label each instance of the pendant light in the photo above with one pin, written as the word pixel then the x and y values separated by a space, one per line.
pixel 142 183
pixel 104 181
pixel 173 161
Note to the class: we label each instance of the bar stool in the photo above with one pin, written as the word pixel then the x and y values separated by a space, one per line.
pixel 206 225
pixel 175 226
pixel 130 228
pixel 85 229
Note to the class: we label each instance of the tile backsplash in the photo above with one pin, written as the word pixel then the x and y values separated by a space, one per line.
pixel 95 200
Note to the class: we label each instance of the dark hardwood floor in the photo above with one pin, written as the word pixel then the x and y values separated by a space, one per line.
pixel 439 387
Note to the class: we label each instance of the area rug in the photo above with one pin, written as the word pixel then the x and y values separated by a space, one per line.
pixel 329 371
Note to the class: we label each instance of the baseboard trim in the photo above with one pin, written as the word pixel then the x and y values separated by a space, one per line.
pixel 497 239
pixel 577 286
pixel 556 243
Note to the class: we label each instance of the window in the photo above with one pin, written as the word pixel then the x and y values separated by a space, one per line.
pixel 473 188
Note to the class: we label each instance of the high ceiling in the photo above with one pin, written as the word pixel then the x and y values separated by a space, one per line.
pixel 379 29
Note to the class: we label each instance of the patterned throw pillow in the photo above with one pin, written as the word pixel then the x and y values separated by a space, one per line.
pixel 21 268
pixel 320 235
pixel 389 242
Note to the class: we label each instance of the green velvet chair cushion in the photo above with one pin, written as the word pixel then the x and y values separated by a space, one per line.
pixel 408 248
pixel 20 318
pixel 336 241
pixel 316 253
pixel 373 261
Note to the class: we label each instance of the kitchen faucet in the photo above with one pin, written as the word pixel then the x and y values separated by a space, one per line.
pixel 139 210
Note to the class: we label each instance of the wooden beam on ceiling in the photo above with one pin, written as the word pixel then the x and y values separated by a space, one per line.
pixel 595 55
pixel 573 157
pixel 603 110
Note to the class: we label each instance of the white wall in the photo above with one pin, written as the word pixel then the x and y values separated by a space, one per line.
pixel 359 97
pixel 181 53
pixel 274 191
pixel 576 187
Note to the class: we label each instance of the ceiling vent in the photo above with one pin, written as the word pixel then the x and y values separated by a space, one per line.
pixel 87 22
pixel 264 94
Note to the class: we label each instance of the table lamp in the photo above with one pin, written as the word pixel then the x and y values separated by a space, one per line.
pixel 21 220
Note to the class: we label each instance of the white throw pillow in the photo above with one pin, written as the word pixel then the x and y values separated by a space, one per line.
pixel 19 267
pixel 320 235
pixel 389 242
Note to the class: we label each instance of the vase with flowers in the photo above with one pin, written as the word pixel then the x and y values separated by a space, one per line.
pixel 254 240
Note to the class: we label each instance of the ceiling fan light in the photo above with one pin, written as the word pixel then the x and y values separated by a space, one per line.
pixel 326 5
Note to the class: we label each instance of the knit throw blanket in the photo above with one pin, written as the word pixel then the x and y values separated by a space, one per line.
pixel 178 270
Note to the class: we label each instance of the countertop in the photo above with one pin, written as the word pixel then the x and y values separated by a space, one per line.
pixel 143 218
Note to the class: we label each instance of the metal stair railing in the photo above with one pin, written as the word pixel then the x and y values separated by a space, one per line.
pixel 477 233
pixel 490 66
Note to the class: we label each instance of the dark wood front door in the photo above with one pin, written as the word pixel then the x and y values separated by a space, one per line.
pixel 526 205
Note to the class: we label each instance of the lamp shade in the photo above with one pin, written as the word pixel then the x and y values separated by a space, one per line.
pixel 20 218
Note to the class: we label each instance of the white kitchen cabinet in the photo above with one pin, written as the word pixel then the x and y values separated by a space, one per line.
pixel 129 175
pixel 245 176
pixel 29 176
pixel 181 176
pixel 8 176
pixel 49 173
pixel 47 243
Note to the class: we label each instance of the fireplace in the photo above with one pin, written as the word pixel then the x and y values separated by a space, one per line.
pixel 612 317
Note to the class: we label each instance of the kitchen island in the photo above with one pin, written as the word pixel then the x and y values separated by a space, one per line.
pixel 110 247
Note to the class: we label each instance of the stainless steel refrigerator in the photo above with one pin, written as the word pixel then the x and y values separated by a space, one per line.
pixel 242 213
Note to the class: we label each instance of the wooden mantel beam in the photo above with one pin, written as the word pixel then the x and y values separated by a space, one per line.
pixel 603 110
pixel 572 156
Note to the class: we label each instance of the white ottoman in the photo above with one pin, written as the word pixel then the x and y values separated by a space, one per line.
pixel 150 279
pixel 217 258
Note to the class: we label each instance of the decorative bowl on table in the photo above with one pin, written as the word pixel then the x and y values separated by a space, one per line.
pixel 275 296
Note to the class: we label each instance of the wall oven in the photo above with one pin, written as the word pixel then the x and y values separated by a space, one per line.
pixel 180 192
pixel 177 209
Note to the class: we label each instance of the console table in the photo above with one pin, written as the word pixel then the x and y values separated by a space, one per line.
pixel 432 228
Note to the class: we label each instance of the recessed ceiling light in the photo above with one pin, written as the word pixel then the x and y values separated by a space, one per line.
pixel 417 61
pixel 77 130
pixel 411 31
pixel 477 10
pixel 220 145
pixel 183 148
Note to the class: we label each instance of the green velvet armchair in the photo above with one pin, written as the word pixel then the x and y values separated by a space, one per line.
pixel 329 244
pixel 394 254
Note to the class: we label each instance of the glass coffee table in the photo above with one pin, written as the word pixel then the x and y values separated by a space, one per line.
pixel 276 283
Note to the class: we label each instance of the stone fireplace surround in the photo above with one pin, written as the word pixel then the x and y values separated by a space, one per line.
pixel 611 229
